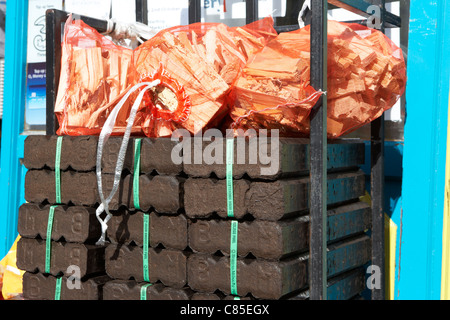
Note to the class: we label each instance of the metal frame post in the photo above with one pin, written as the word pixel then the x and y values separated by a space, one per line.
pixel 318 154
pixel 195 11
pixel 142 11
pixel 251 11
pixel 53 66
pixel 377 190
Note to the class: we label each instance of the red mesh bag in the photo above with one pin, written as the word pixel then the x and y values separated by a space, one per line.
pixel 202 59
pixel 196 66
pixel 95 73
pixel 366 76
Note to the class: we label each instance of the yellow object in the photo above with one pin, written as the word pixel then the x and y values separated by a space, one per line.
pixel 390 240
pixel 445 282
pixel 445 277
pixel 10 274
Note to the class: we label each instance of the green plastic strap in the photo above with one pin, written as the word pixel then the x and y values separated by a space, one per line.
pixel 137 169
pixel 144 291
pixel 48 242
pixel 230 213
pixel 146 236
pixel 58 169
pixel 229 172
pixel 233 256
pixel 237 298
pixel 58 288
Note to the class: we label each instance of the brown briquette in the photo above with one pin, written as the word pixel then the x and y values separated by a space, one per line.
pixel 253 156
pixel 163 193
pixel 268 200
pixel 74 223
pixel 31 254
pixel 131 290
pixel 38 286
pixel 80 154
pixel 275 239
pixel 166 265
pixel 127 226
pixel 265 279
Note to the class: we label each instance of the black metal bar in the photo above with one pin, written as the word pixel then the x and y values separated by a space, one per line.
pixel 195 11
pixel 362 8
pixel 377 191
pixel 287 28
pixel 318 153
pixel 54 21
pixel 2 20
pixel 100 25
pixel 142 11
pixel 251 11
pixel 53 66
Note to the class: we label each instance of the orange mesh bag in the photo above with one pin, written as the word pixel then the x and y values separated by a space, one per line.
pixel 95 73
pixel 195 66
pixel 366 76
pixel 201 62
pixel 273 90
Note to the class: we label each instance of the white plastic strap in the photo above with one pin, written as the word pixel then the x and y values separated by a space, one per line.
pixel 304 16
pixel 103 138
pixel 133 31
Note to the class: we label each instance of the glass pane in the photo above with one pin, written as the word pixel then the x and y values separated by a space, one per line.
pixel 233 13
pixel 35 101
pixel 167 14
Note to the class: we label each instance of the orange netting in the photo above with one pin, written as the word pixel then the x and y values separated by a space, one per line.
pixel 197 65
pixel 95 73
pixel 366 76
pixel 209 70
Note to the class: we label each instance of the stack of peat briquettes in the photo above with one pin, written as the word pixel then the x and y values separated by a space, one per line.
pixel 171 235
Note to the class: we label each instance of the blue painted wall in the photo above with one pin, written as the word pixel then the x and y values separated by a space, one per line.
pixel 419 269
pixel 12 172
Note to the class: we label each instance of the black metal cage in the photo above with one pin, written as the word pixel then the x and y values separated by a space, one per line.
pixel 318 136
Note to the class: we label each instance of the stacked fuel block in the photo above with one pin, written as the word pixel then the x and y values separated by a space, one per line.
pixel 184 207
pixel 271 210
pixel 74 256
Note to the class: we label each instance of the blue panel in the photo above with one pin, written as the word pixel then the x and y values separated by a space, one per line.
pixel 420 251
pixel 392 187
pixel 11 174
pixel 393 155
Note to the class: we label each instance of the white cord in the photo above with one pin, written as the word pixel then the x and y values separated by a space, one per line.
pixel 120 31
pixel 103 138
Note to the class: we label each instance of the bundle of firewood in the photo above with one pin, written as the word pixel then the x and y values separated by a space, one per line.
pixel 366 76
pixel 206 69
pixel 95 73
pixel 204 58
pixel 199 62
